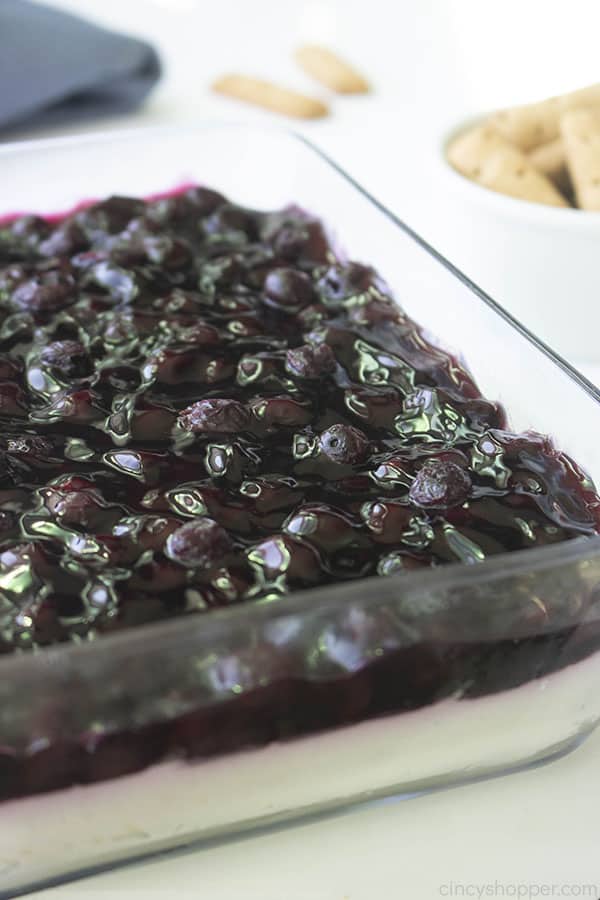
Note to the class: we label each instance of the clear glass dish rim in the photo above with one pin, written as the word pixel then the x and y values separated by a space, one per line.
pixel 450 575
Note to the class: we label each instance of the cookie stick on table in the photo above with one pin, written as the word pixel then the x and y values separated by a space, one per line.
pixel 270 96
pixel 330 70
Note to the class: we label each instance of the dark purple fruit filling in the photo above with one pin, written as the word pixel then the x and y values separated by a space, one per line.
pixel 265 402
pixel 201 405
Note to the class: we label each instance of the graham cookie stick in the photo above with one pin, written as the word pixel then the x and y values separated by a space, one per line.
pixel 581 133
pixel 270 96
pixel 485 157
pixel 537 123
pixel 550 159
pixel 326 67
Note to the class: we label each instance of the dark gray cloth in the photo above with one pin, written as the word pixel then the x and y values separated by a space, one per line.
pixel 55 67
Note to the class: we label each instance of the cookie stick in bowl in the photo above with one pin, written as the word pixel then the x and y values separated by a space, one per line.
pixel 581 135
pixel 533 124
pixel 482 155
pixel 550 159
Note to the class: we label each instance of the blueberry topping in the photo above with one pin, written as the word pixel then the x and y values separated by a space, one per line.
pixel 185 373
pixel 202 405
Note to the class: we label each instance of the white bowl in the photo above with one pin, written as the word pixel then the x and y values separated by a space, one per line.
pixel 541 262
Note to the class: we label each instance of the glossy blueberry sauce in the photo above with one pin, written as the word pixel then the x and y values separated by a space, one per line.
pixel 202 405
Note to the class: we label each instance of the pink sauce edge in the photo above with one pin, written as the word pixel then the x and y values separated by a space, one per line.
pixel 53 218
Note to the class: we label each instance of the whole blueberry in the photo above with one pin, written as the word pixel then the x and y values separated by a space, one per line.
pixel 288 288
pixel 66 239
pixel 74 507
pixel 281 410
pixel 118 328
pixel 25 235
pixel 46 292
pixel 69 358
pixel 199 544
pixel 8 521
pixel 440 484
pixel 108 217
pixel 229 219
pixel 290 240
pixel 27 227
pixel 215 416
pixel 344 444
pixel 341 282
pixel 203 199
pixel 309 361
pixel 119 283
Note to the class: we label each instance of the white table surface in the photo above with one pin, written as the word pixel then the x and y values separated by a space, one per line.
pixel 431 62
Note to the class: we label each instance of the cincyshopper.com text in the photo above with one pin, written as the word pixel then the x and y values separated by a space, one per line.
pixel 523 889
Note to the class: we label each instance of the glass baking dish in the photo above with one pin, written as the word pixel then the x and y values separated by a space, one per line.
pixel 502 655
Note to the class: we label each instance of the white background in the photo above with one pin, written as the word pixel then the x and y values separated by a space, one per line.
pixel 432 63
